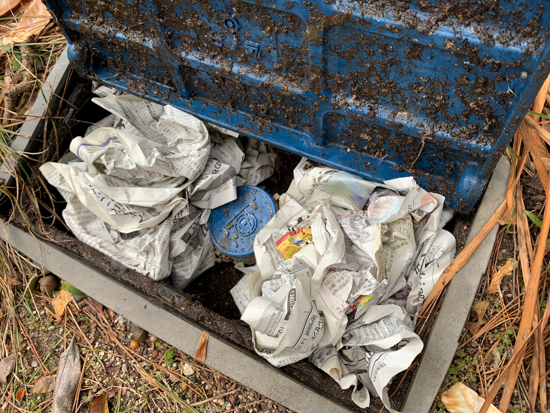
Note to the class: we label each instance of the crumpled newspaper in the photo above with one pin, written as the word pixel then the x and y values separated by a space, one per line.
pixel 142 181
pixel 340 270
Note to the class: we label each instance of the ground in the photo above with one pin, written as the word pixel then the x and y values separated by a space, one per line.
pixel 154 377
pixel 488 338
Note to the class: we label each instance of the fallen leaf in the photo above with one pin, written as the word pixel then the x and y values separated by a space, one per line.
pixel 68 377
pixel 19 394
pixel 461 399
pixel 44 384
pixel 59 302
pixel 33 20
pixel 26 365
pixel 113 370
pixel 77 294
pixel 506 269
pixel 99 404
pixel 115 388
pixel 473 327
pixel 200 355
pixel 9 7
pixel 480 307
pixel 6 368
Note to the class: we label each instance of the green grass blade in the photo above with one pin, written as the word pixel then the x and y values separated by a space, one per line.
pixel 534 219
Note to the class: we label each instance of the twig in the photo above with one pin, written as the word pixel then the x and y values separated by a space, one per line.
pixel 75 402
pixel 513 362
pixel 214 397
pixel 31 345
pixel 245 406
pixel 531 299
pixel 419 152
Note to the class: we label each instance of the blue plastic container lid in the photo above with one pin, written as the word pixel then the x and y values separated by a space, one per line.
pixel 234 226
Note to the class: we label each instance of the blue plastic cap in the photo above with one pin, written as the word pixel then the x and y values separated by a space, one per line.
pixel 234 226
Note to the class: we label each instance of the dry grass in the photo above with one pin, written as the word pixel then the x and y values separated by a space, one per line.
pixel 153 377
pixel 502 353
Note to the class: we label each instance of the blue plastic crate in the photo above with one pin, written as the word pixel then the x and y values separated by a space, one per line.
pixel 382 89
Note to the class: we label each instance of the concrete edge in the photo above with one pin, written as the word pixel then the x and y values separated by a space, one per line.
pixel 442 343
pixel 176 331
pixel 34 121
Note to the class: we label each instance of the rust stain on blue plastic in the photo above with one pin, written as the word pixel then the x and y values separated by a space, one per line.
pixel 382 89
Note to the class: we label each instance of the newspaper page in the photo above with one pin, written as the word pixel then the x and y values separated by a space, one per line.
pixel 215 187
pixel 240 294
pixel 241 291
pixel 343 289
pixel 227 168
pixel 181 138
pixel 127 209
pixel 145 251
pixel 373 349
pixel 109 121
pixel 268 257
pixel 117 153
pixel 191 249
pixel 367 253
pixel 213 127
pixel 257 165
pixel 390 247
pixel 292 193
pixel 286 327
pixel 127 191
pixel 407 198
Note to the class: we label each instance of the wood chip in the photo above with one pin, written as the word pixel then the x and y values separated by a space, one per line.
pixel 188 370
pixel 200 355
